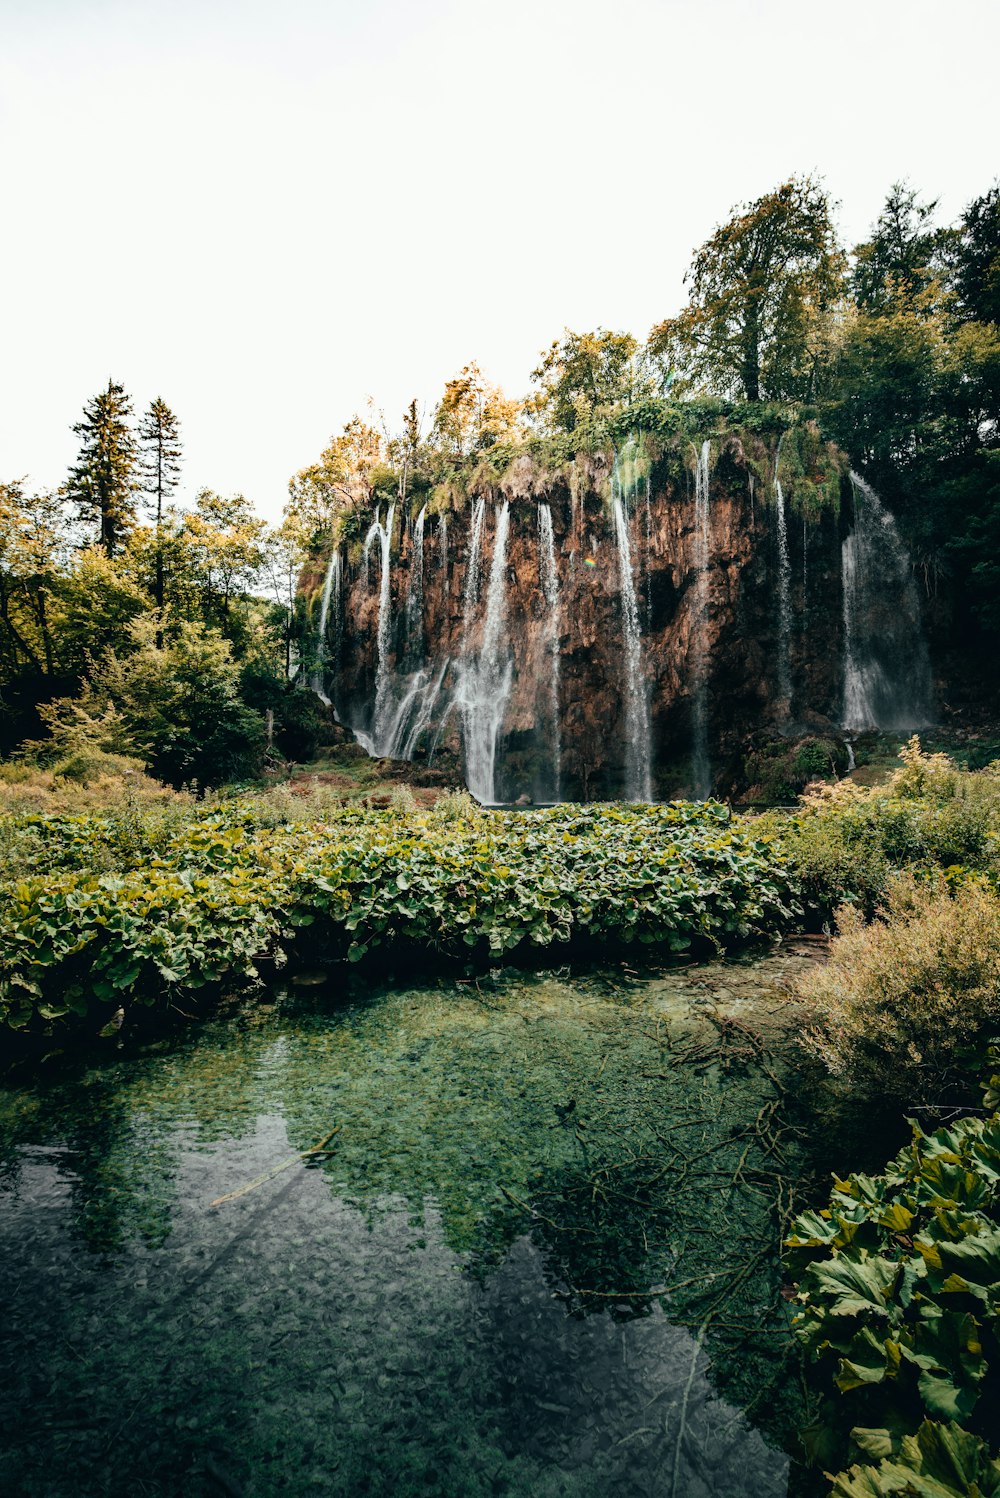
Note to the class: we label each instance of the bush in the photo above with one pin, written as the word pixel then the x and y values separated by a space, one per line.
pixel 298 719
pixel 403 801
pixel 457 806
pixel 778 771
pixel 26 790
pixel 906 1005
pixel 845 839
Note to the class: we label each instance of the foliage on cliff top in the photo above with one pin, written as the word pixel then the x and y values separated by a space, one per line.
pixel 899 1289
pixel 223 891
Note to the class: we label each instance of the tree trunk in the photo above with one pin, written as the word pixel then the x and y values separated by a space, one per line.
pixel 751 352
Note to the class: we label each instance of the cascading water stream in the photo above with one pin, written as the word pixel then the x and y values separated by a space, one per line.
pixel 700 765
pixel 415 595
pixel 376 742
pixel 484 680
pixel 331 585
pixel 549 579
pixel 887 680
pixel 784 596
pixel 472 566
pixel 638 746
pixel 443 544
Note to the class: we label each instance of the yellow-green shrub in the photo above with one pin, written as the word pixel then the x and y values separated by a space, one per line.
pixel 906 1005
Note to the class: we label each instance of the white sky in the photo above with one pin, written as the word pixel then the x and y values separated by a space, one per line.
pixel 267 212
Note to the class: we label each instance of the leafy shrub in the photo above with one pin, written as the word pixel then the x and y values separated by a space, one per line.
pixel 298 719
pixel 906 1005
pixel 845 839
pixel 26 790
pixel 778 771
pixel 899 1286
pixel 457 806
pixel 403 801
pixel 360 880
pixel 173 703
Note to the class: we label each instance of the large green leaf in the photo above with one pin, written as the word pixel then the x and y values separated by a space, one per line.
pixel 852 1287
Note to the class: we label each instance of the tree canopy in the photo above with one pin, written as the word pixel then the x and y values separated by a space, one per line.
pixel 760 290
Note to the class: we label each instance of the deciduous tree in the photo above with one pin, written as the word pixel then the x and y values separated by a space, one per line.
pixel 583 375
pixel 473 415
pixel 762 288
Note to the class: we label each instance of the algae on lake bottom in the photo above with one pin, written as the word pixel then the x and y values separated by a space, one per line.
pixel 539 1256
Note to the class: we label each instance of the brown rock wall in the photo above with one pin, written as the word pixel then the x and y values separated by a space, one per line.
pixel 740 628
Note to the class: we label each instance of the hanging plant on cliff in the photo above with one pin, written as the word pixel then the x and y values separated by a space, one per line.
pixel 762 289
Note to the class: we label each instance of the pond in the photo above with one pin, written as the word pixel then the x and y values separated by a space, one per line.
pixel 535 1253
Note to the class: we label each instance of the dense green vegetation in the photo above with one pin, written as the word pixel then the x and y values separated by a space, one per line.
pixel 899 1276
pixel 929 815
pixel 899 1284
pixel 99 912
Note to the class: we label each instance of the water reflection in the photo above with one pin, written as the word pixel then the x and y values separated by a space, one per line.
pixel 458 1299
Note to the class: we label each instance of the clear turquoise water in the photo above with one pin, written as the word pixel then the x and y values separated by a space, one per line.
pixel 499 1279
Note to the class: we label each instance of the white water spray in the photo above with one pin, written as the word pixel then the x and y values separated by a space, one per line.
pixel 887 682
pixel 382 675
pixel 549 578
pixel 638 745
pixel 784 596
pixel 484 680
pixel 700 765
pixel 415 595
pixel 472 567
pixel 331 590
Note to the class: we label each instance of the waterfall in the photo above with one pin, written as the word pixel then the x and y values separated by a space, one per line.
pixel 419 711
pixel 484 680
pixel 443 544
pixel 887 679
pixel 549 578
pixel 383 682
pixel 373 534
pixel 784 597
pixel 638 747
pixel 331 585
pixel 472 565
pixel 700 764
pixel 415 594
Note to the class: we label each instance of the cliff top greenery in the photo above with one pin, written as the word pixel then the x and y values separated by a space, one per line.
pixel 894 351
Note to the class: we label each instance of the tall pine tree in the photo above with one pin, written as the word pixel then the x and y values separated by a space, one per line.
pixel 159 467
pixel 102 484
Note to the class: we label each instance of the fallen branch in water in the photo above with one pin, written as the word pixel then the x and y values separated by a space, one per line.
pixel 316 1149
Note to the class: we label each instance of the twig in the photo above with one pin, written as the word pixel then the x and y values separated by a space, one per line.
pixel 231 1196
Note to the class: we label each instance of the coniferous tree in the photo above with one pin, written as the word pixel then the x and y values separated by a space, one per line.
pixel 102 485
pixel 977 259
pixel 159 467
pixel 905 255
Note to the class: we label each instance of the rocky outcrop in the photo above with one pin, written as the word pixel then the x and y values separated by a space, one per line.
pixel 725 625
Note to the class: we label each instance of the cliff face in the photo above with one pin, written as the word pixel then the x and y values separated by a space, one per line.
pixel 502 631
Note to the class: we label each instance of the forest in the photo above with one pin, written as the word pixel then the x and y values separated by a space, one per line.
pixel 593 1051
